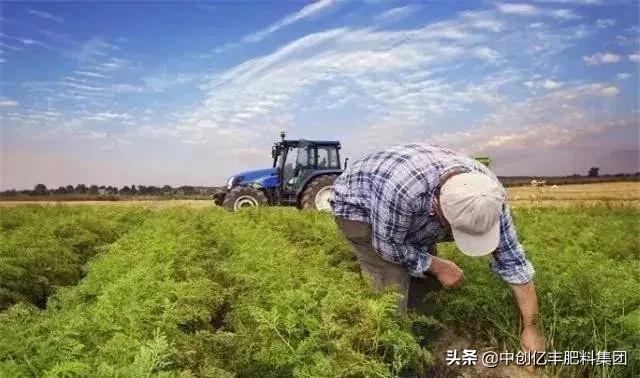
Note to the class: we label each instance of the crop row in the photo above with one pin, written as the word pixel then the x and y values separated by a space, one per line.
pixel 207 293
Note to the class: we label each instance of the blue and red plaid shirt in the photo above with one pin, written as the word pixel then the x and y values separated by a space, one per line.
pixel 395 190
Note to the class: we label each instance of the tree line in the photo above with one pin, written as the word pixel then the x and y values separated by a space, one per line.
pixel 102 190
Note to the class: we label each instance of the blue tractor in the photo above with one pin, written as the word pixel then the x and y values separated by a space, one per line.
pixel 302 175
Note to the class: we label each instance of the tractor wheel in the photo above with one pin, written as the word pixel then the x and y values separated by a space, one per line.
pixel 218 198
pixel 243 196
pixel 318 193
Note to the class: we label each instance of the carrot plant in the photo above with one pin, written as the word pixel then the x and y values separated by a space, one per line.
pixel 588 280
pixel 207 293
pixel 44 248
pixel 276 293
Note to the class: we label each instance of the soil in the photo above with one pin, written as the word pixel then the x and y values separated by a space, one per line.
pixel 449 340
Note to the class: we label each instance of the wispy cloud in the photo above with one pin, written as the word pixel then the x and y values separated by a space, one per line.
pixel 306 12
pixel 574 2
pixel 5 103
pixel 45 15
pixel 538 83
pixel 164 81
pixel 395 77
pixel 564 14
pixel 395 14
pixel 602 58
pixel 107 116
pixel 519 9
pixel 635 57
pixel 563 120
pixel 7 46
pixel 94 49
pixel 603 23
pixel 92 74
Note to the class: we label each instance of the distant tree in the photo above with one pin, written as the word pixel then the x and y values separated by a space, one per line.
pixel 188 190
pixel 593 171
pixel 81 189
pixel 9 193
pixel 166 190
pixel 69 189
pixel 40 189
pixel 125 190
pixel 93 189
pixel 61 190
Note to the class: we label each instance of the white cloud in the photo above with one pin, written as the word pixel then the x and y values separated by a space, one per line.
pixel 31 42
pixel 576 2
pixel 635 57
pixel 398 13
pixel 553 119
pixel 161 82
pixel 486 53
pixel 126 88
pixel 603 23
pixel 94 49
pixel 306 12
pixel 610 91
pixel 601 58
pixel 623 76
pixel 107 116
pixel 564 14
pixel 548 84
pixel 2 60
pixel 92 74
pixel 4 103
pixel 518 9
pixel 45 15
pixel 10 47
pixel 410 76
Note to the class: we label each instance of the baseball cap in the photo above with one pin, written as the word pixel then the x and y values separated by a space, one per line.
pixel 472 203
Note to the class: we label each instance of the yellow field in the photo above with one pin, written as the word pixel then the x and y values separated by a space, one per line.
pixel 615 194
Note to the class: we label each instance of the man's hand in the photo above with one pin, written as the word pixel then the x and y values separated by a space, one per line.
pixel 447 272
pixel 531 339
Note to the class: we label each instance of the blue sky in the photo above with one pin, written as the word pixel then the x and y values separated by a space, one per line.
pixel 189 93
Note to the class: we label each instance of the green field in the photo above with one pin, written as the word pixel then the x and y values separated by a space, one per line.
pixel 99 291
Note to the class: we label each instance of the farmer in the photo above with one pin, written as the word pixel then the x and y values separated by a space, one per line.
pixel 395 205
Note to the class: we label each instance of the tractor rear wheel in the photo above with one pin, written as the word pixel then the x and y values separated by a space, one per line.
pixel 243 196
pixel 317 194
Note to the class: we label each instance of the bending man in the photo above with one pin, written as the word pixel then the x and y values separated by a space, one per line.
pixel 395 205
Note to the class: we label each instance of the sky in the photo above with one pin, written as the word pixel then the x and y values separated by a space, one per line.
pixel 189 93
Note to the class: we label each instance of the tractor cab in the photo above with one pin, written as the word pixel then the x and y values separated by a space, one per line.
pixel 302 174
pixel 298 161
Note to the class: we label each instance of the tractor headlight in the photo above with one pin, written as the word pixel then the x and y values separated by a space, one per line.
pixel 230 182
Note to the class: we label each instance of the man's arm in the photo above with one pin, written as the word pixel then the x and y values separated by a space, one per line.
pixel 512 266
pixel 531 338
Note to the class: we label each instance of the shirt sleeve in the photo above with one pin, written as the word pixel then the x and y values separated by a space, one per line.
pixel 509 261
pixel 390 222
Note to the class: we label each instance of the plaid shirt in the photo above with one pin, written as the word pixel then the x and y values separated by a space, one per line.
pixel 395 190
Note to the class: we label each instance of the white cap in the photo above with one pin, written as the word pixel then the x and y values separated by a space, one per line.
pixel 472 203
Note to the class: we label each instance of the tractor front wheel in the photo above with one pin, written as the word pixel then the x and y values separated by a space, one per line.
pixel 318 193
pixel 243 196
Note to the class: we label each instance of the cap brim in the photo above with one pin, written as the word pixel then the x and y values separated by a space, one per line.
pixel 477 245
